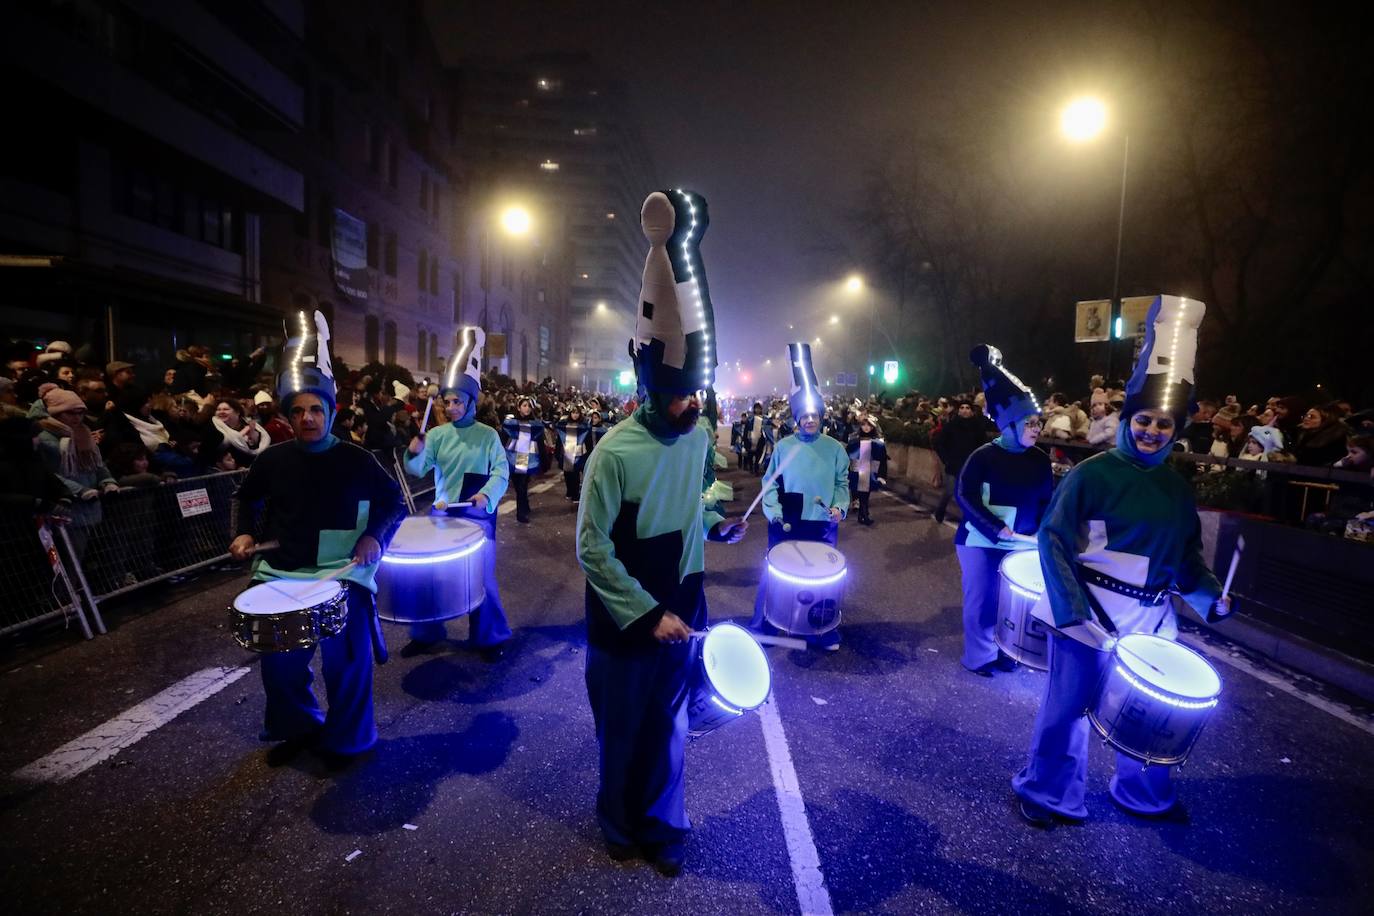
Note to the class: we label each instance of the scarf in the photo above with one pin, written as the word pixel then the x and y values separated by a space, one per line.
pixel 1125 447
pixel 653 416
pixel 76 446
pixel 238 440
pixel 153 433
pixel 328 442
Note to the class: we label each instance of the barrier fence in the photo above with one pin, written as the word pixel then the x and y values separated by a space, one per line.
pixel 34 577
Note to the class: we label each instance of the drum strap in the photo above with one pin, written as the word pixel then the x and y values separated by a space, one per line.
pixel 1110 583
pixel 1102 616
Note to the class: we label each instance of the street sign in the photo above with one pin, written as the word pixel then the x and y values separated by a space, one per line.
pixel 890 372
pixel 1134 312
pixel 496 346
pixel 1093 321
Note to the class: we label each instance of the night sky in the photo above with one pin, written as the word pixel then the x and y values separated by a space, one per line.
pixel 774 109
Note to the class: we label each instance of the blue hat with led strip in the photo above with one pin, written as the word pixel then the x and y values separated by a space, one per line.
pixel 305 361
pixel 674 348
pixel 1164 375
pixel 804 396
pixel 464 371
pixel 1008 398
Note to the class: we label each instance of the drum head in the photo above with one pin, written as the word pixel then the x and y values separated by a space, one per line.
pixel 433 537
pixel 807 560
pixel 1168 666
pixel 1022 569
pixel 282 595
pixel 736 666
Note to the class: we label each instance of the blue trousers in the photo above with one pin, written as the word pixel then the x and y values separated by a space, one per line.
pixel 1056 774
pixel 487 625
pixel 639 704
pixel 346 660
pixel 978 569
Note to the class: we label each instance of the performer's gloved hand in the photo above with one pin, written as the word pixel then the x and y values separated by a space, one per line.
pixel 479 501
pixel 731 530
pixel 241 547
pixel 1222 608
pixel 367 551
pixel 671 629
pixel 836 513
pixel 417 444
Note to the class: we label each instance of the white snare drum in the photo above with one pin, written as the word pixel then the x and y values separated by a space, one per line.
pixel 432 570
pixel 287 614
pixel 729 677
pixel 1156 697
pixel 805 587
pixel 1020 585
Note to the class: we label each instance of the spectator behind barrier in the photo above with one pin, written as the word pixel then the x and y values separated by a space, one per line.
pixel 26 483
pixel 1320 438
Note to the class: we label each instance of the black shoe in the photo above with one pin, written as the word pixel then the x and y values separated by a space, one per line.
pixel 1175 814
pixel 939 516
pixel 669 859
pixel 1037 816
pixel 1005 662
pixel 983 670
pixel 619 852
pixel 523 519
pixel 493 653
pixel 288 750
pixel 335 761
pixel 419 647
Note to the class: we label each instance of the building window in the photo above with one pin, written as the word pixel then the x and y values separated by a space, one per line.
pixel 324 224
pixel 372 148
pixel 610 214
pixel 434 275
pixel 421 338
pixel 584 131
pixel 391 74
pixel 393 167
pixel 422 275
pixel 434 200
pixel 434 364
pixel 370 334
pixel 391 254
pixel 326 114
pixel 548 165
pixel 389 342
pixel 374 246
pixel 424 191
pixel 548 84
pixel 457 298
pixel 300 222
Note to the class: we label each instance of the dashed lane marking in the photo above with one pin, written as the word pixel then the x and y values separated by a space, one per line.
pixel 812 896
pixel 104 741
pixel 507 507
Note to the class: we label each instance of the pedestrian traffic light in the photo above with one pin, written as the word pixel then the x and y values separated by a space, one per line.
pixel 871 368
pixel 890 372
pixel 627 377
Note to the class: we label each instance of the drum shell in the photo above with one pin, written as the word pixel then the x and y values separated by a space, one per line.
pixel 1142 726
pixel 796 606
pixel 425 592
pixel 302 628
pixel 1019 634
pixel 706 710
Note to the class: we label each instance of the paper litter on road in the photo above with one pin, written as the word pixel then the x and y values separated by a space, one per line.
pixel 353 855
pixel 1284 760
pixel 818 701
pixel 409 827
pixel 936 651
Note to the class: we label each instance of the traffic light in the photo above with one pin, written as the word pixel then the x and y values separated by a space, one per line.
pixel 890 369
pixel 871 368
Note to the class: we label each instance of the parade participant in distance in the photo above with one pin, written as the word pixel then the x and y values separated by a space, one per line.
pixel 469 467
pixel 807 501
pixel 640 530
pixel 754 439
pixel 1120 534
pixel 957 437
pixel 570 438
pixel 328 502
pixel 1003 490
pixel 524 433
pixel 867 463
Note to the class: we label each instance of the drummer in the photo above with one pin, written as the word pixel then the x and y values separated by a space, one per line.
pixel 640 529
pixel 1003 490
pixel 1120 524
pixel 328 503
pixel 809 499
pixel 470 477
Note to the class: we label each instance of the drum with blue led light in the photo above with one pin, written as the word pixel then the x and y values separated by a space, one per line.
pixel 432 570
pixel 1156 697
pixel 805 587
pixel 729 677
pixel 1020 585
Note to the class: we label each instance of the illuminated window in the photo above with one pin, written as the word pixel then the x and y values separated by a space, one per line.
pixel 548 165
pixel 546 84
pixel 610 214
pixel 584 131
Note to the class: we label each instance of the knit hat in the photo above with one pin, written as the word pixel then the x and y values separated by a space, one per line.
pixel 58 349
pixel 805 396
pixel 305 364
pixel 465 365
pixel 1270 438
pixel 1006 397
pixel 1164 375
pixel 57 400
pixel 262 397
pixel 673 350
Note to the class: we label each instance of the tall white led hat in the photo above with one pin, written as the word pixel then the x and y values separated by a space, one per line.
pixel 464 372
pixel 305 361
pixel 804 397
pixel 1165 374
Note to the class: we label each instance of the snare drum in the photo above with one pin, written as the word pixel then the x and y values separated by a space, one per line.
pixel 287 614
pixel 729 677
pixel 1020 585
pixel 805 587
pixel 1156 697
pixel 432 570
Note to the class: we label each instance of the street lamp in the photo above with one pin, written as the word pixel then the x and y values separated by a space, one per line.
pixel 1083 120
pixel 516 220
pixel 854 286
pixel 834 319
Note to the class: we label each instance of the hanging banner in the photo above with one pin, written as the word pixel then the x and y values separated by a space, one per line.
pixel 349 249
pixel 1093 321
pixel 1135 310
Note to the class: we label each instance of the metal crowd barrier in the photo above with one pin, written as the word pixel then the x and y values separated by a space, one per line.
pixel 34 576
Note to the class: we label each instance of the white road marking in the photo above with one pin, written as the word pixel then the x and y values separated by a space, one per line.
pixel 104 741
pixel 1278 682
pixel 918 508
pixel 812 896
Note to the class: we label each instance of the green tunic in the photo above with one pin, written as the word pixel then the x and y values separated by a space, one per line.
pixel 460 455
pixel 820 468
pixel 641 488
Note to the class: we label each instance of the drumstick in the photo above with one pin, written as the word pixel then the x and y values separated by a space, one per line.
pixel 1235 561
pixel 1158 671
pixel 265 545
pixel 787 642
pixel 334 574
pixel 429 405
pixel 769 482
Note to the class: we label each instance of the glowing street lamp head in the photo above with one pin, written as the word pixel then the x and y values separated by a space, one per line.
pixel 834 319
pixel 854 284
pixel 1083 118
pixel 516 221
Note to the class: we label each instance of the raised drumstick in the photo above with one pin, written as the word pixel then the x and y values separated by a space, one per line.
pixel 1235 561
pixel 769 482
pixel 429 405
pixel 787 642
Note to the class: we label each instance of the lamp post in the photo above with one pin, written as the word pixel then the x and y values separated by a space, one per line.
pixel 1083 120
pixel 516 222
pixel 854 285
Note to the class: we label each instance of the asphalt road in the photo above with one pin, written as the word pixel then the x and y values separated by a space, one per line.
pixel 902 759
